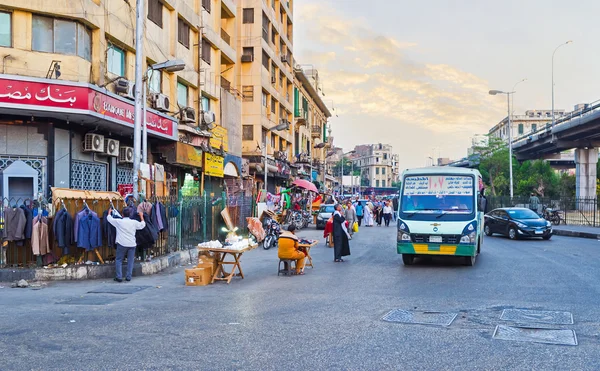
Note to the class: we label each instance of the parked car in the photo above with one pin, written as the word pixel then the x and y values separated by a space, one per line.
pixel 517 222
pixel 325 213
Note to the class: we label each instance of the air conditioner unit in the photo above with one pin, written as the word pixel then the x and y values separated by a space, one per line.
pixel 126 155
pixel 111 147
pixel 247 58
pixel 93 143
pixel 208 119
pixel 284 58
pixel 125 88
pixel 160 102
pixel 188 115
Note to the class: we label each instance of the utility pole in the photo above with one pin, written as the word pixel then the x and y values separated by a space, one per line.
pixel 137 123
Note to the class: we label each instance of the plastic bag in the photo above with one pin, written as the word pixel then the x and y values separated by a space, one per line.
pixel 355 227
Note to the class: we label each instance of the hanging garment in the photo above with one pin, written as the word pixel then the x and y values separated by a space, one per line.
pixel 14 224
pixel 78 216
pixel 63 230
pixel 89 236
pixel 39 236
pixel 156 215
pixel 28 224
pixel 109 231
pixel 146 237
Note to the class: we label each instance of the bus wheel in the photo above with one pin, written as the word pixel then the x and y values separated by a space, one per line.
pixel 408 259
pixel 469 261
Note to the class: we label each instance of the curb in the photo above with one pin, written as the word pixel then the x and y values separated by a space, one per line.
pixel 90 272
pixel 568 233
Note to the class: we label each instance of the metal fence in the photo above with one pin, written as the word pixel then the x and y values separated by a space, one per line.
pixel 572 210
pixel 190 220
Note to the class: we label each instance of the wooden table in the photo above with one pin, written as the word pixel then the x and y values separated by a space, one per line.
pixel 306 248
pixel 222 253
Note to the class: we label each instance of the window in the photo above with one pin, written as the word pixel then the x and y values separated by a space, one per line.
pixel 273 4
pixel 377 183
pixel 383 171
pixel 248 93
pixel 521 129
pixel 533 127
pixel 183 33
pixel 273 105
pixel 273 73
pixel 206 5
pixel 264 136
pixel 206 49
pixel 265 60
pixel 273 141
pixel 281 144
pixel 115 60
pixel 57 36
pixel 247 132
pixel 155 81
pixel 205 104
pixel 264 99
pixel 385 156
pixel 377 170
pixel 248 51
pixel 281 79
pixel 5 29
pixel 383 183
pixel 273 36
pixel 155 12
pixel 265 27
pixel 182 95
pixel 248 15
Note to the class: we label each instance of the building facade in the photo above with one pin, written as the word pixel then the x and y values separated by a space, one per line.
pixel 377 163
pixel 310 126
pixel 66 91
pixel 265 29
pixel 521 125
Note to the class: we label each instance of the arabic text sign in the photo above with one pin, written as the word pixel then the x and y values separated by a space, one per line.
pixel 76 97
pixel 219 136
pixel 438 185
pixel 213 165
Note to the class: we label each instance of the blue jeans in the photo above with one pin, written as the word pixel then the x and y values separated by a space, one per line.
pixel 121 251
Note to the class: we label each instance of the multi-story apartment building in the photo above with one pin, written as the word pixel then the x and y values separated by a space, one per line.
pixel 378 164
pixel 310 126
pixel 265 29
pixel 66 91
pixel 521 125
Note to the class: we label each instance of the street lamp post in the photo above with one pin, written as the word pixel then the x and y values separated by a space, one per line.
pixel 510 156
pixel 512 103
pixel 558 47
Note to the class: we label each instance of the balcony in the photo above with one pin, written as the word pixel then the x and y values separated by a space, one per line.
pixel 225 36
pixel 316 163
pixel 316 131
pixel 280 155
pixel 225 84
pixel 302 158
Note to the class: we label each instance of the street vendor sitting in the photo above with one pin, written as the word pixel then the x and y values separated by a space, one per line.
pixel 288 248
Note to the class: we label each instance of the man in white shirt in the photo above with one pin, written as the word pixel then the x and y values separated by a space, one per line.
pixel 387 213
pixel 125 240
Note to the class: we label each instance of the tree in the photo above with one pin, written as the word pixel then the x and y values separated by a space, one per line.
pixel 539 177
pixel 397 184
pixel 494 166
pixel 337 167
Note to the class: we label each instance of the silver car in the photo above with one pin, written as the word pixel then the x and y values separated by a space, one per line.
pixel 325 213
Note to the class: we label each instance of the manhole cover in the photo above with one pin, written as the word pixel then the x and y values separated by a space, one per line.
pixel 118 289
pixel 420 317
pixel 537 316
pixel 535 335
pixel 90 300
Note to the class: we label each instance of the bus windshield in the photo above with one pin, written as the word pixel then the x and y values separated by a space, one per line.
pixel 438 194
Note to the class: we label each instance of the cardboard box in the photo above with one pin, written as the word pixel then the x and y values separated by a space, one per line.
pixel 207 262
pixel 197 277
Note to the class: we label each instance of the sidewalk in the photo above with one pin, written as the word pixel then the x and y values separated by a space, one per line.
pixel 577 231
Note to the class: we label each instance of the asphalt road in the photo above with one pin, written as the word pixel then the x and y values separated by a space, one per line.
pixel 331 318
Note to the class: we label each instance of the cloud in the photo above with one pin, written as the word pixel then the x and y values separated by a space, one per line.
pixel 369 74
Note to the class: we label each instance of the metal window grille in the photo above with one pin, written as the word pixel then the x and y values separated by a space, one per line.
pixel 88 176
pixel 124 174
pixel 38 163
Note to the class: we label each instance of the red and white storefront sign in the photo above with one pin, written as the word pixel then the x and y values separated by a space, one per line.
pixel 78 102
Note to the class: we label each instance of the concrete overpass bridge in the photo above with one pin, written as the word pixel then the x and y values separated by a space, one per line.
pixel 579 130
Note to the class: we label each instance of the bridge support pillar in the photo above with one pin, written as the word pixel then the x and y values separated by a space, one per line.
pixel 585 162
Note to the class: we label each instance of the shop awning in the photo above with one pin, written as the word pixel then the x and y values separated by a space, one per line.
pixel 182 154
pixel 78 102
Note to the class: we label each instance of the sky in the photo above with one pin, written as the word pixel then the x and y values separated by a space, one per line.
pixel 416 74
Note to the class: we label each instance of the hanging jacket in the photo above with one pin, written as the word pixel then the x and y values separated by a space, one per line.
pixel 78 216
pixel 109 231
pixel 14 224
pixel 39 236
pixel 28 221
pixel 146 237
pixel 63 230
pixel 89 235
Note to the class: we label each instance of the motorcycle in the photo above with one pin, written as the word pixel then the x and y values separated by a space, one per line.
pixel 306 218
pixel 273 230
pixel 551 215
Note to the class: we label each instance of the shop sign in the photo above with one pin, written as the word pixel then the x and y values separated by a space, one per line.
pixel 213 165
pixel 219 136
pixel 182 154
pixel 76 98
